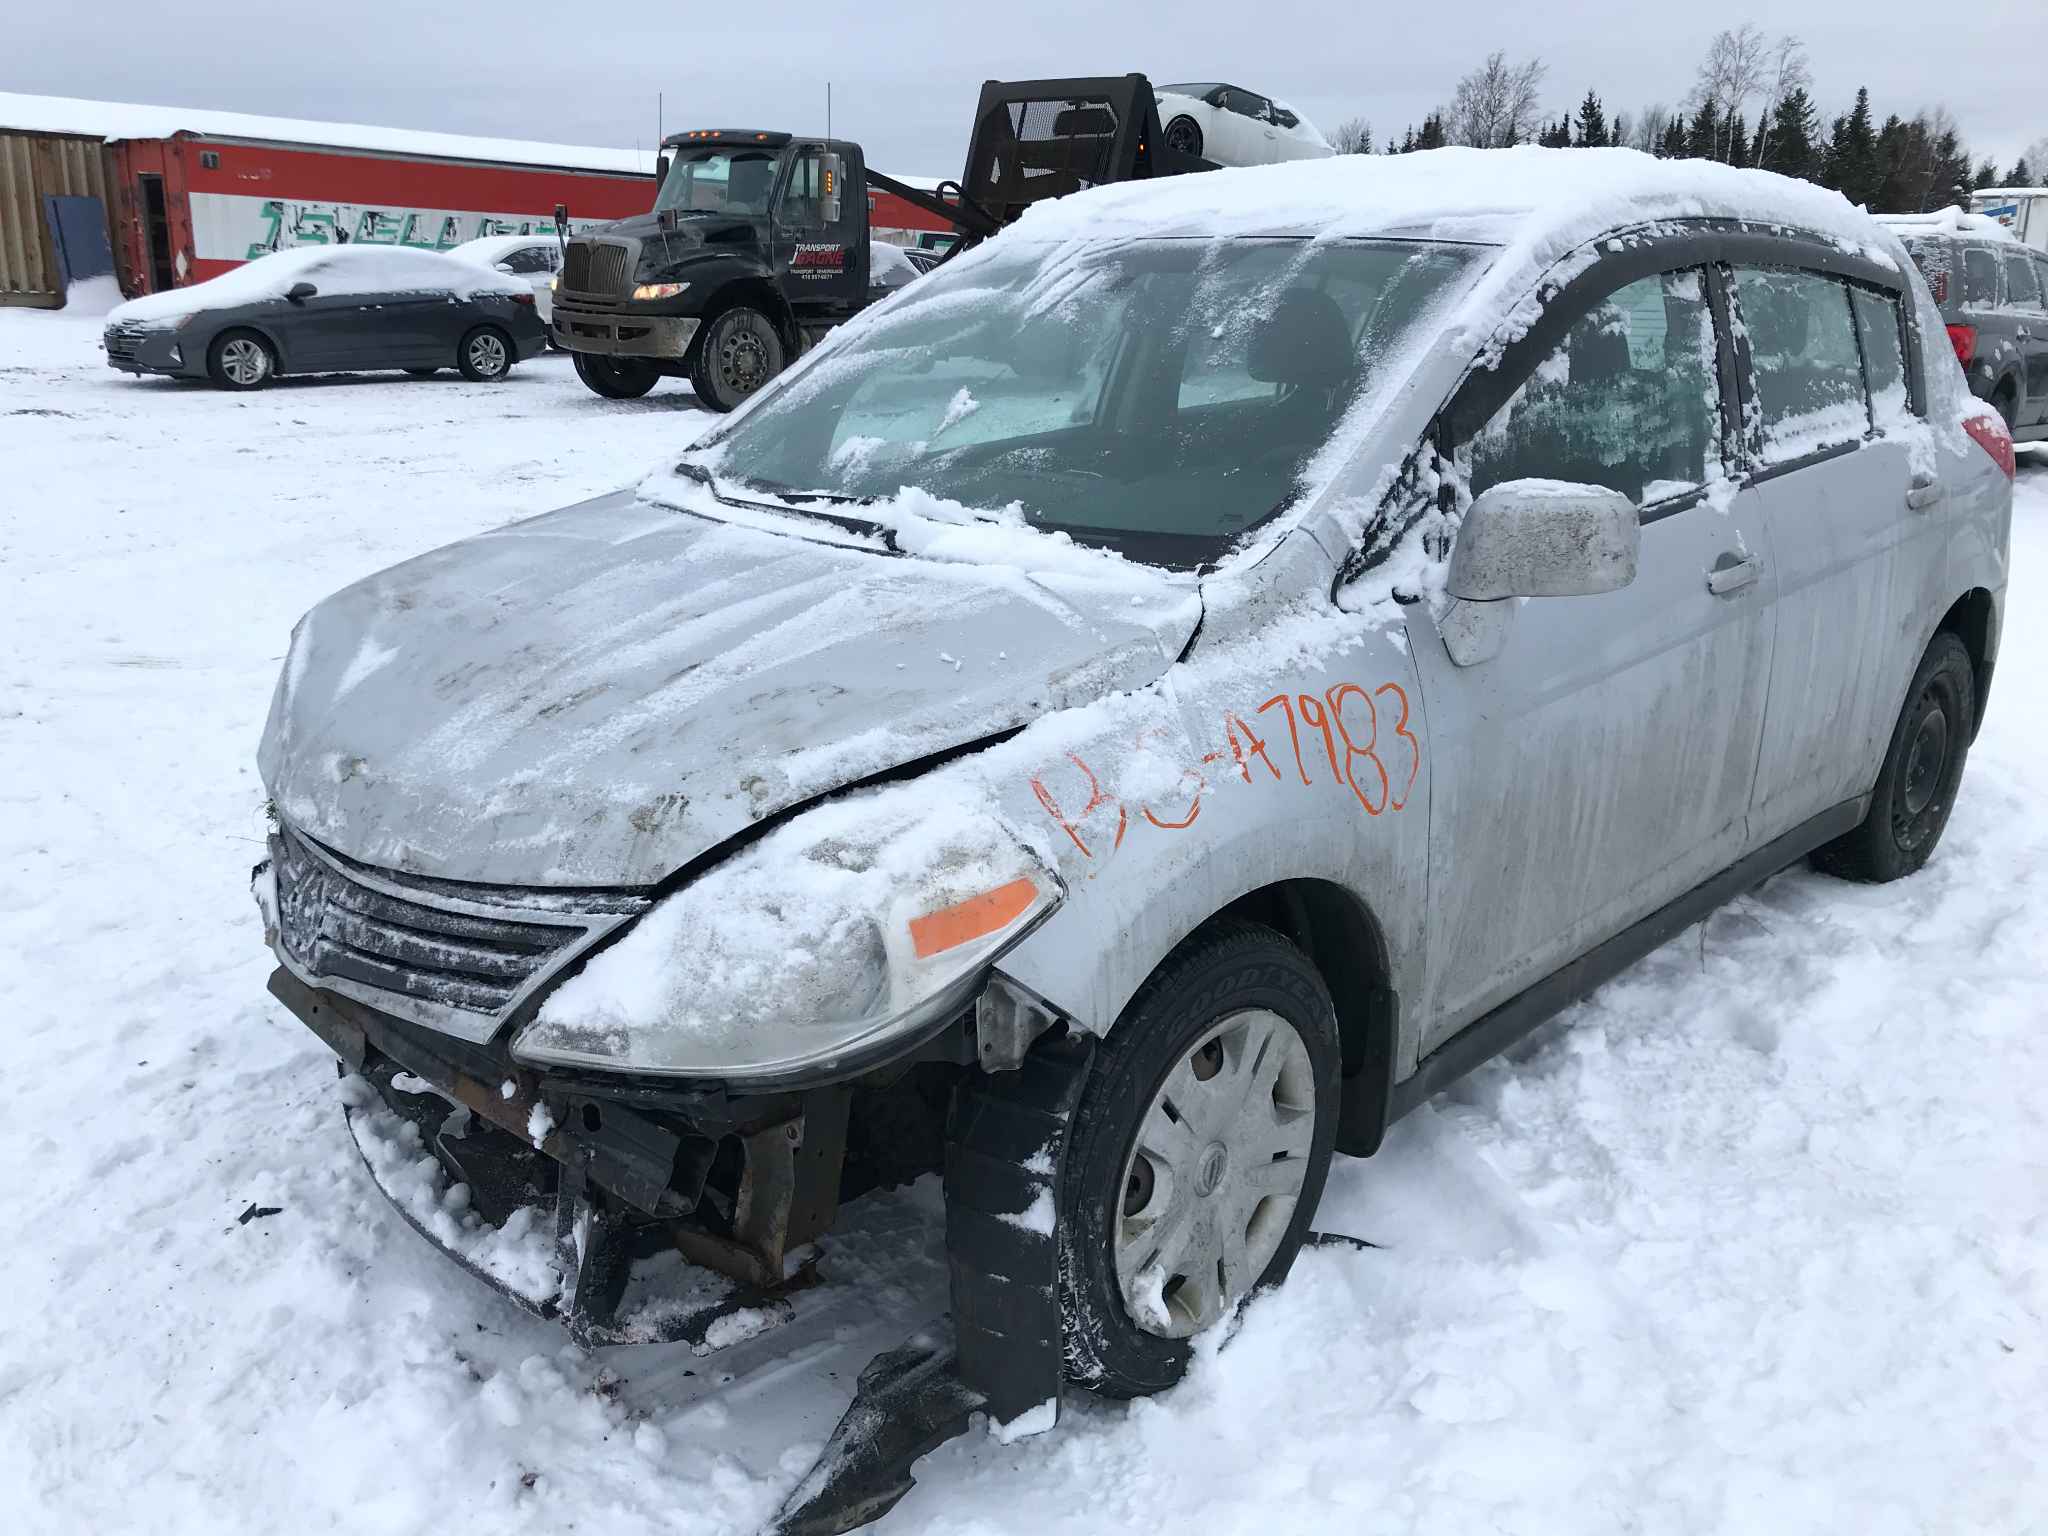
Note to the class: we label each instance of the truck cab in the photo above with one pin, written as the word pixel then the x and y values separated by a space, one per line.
pixel 757 244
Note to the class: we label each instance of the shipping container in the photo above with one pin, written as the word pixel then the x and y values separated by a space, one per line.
pixel 34 169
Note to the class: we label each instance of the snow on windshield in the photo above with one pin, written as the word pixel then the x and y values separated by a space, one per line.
pixel 331 269
pixel 1159 398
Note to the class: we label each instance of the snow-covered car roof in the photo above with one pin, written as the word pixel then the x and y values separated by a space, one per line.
pixel 1946 221
pixel 129 120
pixel 334 269
pixel 491 248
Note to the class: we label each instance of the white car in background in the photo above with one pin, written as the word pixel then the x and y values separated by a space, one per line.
pixel 534 259
pixel 1233 126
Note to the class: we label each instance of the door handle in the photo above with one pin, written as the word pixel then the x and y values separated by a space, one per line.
pixel 1731 573
pixel 1923 493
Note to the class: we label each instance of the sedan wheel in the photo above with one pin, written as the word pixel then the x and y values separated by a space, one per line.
pixel 1215 1174
pixel 485 356
pixel 1184 134
pixel 241 360
pixel 1197 1154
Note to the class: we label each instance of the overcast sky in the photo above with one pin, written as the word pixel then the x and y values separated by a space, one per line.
pixel 905 72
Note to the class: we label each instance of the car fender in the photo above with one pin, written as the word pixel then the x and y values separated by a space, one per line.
pixel 1213 786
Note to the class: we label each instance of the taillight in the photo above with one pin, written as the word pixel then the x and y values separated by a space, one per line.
pixel 522 298
pixel 1964 339
pixel 1989 431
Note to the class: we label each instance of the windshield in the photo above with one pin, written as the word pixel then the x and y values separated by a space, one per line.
pixel 1157 397
pixel 719 181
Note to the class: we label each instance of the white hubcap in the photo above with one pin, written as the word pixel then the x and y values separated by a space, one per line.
pixel 1214 1174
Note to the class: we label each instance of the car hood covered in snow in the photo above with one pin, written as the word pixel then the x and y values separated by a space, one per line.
pixel 600 695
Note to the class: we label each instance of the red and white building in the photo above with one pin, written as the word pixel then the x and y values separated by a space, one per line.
pixel 190 193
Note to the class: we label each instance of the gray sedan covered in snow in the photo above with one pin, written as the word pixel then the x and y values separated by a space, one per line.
pixel 330 309
pixel 1130 718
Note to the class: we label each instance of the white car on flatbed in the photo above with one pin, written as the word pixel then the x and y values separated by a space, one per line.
pixel 1233 126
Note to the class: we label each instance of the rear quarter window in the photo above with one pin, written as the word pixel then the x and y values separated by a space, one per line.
pixel 2021 286
pixel 1980 276
pixel 1805 361
pixel 1884 356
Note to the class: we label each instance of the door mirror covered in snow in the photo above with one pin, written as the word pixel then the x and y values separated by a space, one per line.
pixel 1545 538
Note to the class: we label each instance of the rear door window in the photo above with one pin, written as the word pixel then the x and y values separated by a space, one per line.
pixel 1630 400
pixel 1804 360
pixel 1980 276
pixel 2021 287
pixel 1884 356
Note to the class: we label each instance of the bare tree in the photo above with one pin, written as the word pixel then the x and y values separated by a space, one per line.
pixel 1742 65
pixel 1645 129
pixel 1787 73
pixel 1353 137
pixel 2036 157
pixel 1496 106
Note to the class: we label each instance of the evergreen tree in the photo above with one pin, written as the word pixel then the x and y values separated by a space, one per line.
pixel 1788 144
pixel 1592 124
pixel 1672 145
pixel 1852 167
pixel 2022 174
pixel 1738 139
pixel 1987 176
pixel 1432 135
pixel 1557 135
pixel 1703 136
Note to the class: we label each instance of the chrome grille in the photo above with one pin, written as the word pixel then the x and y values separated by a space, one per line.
pixel 597 267
pixel 354 927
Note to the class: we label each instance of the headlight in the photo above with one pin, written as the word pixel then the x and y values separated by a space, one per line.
pixel 554 283
pixel 826 941
pixel 659 290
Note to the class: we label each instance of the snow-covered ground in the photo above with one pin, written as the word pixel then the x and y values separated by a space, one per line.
pixel 1755 1241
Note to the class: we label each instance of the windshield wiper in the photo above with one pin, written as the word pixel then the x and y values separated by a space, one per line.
pixel 792 501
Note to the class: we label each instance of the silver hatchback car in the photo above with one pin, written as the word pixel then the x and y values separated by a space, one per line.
pixel 1127 719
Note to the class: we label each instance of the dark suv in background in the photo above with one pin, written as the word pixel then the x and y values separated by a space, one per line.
pixel 1993 294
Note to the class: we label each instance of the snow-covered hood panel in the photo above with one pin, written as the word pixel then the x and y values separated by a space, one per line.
pixel 597 696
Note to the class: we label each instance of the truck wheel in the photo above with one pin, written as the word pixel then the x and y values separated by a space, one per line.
pixel 616 378
pixel 1199 1151
pixel 1185 135
pixel 485 355
pixel 241 360
pixel 1923 767
pixel 740 351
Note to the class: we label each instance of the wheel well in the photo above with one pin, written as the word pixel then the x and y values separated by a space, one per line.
pixel 1344 942
pixel 1970 619
pixel 757 293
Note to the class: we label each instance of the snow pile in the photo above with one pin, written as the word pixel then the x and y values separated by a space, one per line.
pixel 334 270
pixel 1946 221
pixel 520 1255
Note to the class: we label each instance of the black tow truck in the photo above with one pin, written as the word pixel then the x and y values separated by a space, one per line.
pixel 757 244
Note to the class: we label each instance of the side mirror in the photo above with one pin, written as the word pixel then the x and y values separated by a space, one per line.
pixel 502 266
pixel 832 172
pixel 1544 538
pixel 298 293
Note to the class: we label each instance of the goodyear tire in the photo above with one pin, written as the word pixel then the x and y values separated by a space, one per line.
pixel 1199 1151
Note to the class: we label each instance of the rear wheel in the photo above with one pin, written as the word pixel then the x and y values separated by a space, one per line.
pixel 1184 134
pixel 1199 1151
pixel 738 353
pixel 616 378
pixel 241 360
pixel 1923 767
pixel 485 355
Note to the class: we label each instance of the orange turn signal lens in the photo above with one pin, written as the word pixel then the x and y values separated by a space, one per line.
pixel 965 921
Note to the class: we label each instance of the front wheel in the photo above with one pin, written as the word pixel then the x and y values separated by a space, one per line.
pixel 1200 1148
pixel 1923 768
pixel 738 353
pixel 616 378
pixel 241 360
pixel 485 355
pixel 1184 134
